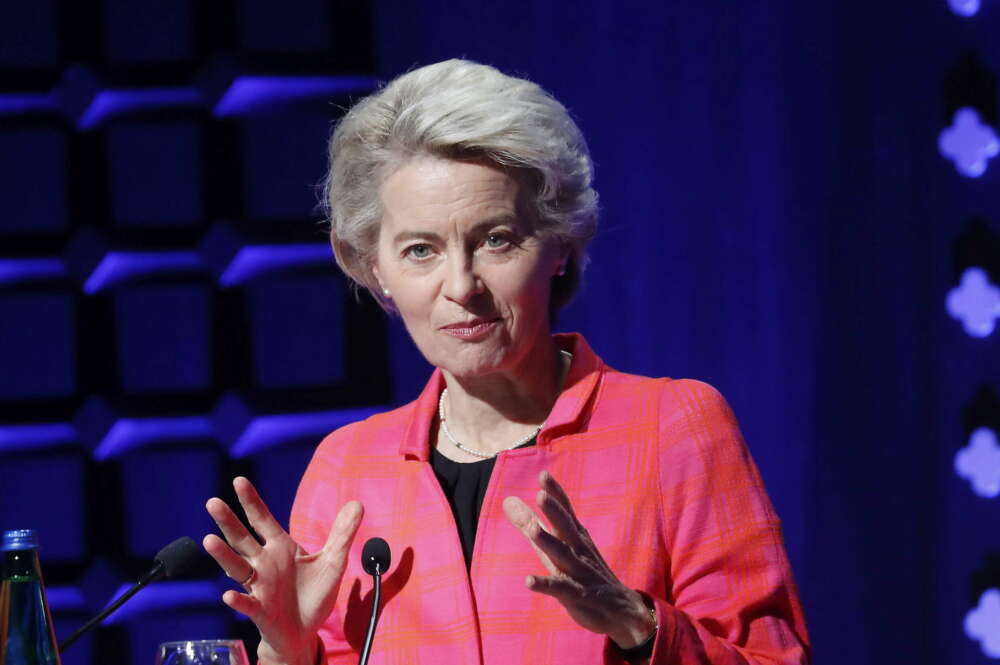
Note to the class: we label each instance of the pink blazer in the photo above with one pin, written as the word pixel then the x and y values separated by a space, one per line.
pixel 658 473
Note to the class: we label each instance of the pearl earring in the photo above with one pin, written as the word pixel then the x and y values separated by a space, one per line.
pixel 386 293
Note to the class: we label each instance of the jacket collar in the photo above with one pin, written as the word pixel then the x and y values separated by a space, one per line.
pixel 568 414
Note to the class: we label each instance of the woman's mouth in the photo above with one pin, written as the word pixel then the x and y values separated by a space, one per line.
pixel 470 330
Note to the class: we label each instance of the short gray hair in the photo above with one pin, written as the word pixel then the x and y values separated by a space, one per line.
pixel 459 109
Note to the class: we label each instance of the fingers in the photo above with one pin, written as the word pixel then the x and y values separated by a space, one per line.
pixel 566 548
pixel 232 564
pixel 517 512
pixel 338 544
pixel 236 534
pixel 562 589
pixel 260 518
pixel 558 509
pixel 344 527
pixel 258 514
pixel 563 524
pixel 527 523
pixel 559 553
pixel 549 484
pixel 243 603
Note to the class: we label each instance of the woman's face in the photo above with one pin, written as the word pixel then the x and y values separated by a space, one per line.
pixel 458 254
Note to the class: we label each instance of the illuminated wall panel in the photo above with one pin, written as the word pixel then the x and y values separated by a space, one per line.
pixel 302 27
pixel 37 344
pixel 164 337
pixel 156 173
pixel 165 490
pixel 282 164
pixel 169 310
pixel 297 330
pixel 29 34
pixel 33 189
pixel 151 32
pixel 47 490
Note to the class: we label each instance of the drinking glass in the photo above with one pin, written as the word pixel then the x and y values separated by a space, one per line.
pixel 202 652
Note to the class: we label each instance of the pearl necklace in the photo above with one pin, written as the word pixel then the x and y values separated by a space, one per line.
pixel 480 453
pixel 473 451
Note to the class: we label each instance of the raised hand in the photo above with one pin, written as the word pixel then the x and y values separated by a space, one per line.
pixel 579 578
pixel 289 593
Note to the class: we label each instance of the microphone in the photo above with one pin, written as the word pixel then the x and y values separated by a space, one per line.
pixel 375 559
pixel 375 556
pixel 171 561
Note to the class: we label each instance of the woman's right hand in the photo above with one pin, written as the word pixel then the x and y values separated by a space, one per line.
pixel 289 593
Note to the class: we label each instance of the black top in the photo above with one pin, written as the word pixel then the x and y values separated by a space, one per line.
pixel 464 483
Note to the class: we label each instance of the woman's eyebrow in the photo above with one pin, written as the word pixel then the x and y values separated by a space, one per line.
pixel 406 236
pixel 478 228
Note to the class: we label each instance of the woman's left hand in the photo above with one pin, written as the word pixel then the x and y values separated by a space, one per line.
pixel 579 578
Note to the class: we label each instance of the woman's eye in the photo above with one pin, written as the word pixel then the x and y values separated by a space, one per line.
pixel 418 251
pixel 496 241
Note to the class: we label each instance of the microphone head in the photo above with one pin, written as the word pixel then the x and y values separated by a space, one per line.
pixel 375 553
pixel 178 556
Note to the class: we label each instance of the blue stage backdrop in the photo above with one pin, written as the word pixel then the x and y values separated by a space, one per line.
pixel 799 207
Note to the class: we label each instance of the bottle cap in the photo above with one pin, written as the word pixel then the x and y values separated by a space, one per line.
pixel 19 539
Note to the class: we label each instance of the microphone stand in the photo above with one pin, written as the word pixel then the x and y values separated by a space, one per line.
pixel 158 571
pixel 376 601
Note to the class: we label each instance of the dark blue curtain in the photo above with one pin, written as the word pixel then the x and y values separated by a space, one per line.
pixel 778 221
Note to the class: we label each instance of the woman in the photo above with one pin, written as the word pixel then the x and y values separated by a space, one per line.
pixel 461 198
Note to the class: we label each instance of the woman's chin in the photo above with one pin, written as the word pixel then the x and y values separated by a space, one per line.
pixel 469 370
pixel 472 361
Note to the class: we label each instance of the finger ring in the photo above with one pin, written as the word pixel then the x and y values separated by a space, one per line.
pixel 250 578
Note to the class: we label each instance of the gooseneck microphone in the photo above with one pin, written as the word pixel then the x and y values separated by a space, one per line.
pixel 375 559
pixel 171 561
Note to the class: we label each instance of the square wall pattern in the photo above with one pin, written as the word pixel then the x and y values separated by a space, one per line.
pixel 170 312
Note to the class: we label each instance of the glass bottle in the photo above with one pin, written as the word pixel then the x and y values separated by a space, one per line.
pixel 26 632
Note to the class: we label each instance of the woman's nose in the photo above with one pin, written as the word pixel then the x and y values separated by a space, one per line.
pixel 461 282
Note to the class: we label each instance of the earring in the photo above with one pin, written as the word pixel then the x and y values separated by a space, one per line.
pixel 561 271
pixel 386 293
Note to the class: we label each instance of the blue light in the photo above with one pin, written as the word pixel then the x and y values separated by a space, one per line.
pixel 118 267
pixel 254 93
pixel 268 431
pixel 255 260
pixel 975 302
pixel 79 95
pixel 108 104
pixel 36 436
pixel 969 142
pixel 27 102
pixel 979 463
pixel 21 271
pixel 231 417
pixel 130 433
pixel 76 90
pixel 964 7
pixel 65 598
pixel 165 596
pixel 982 623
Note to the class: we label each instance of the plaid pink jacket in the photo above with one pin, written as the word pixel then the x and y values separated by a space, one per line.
pixel 658 473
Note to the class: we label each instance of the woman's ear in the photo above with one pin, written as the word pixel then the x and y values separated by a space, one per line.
pixel 564 256
pixel 378 278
